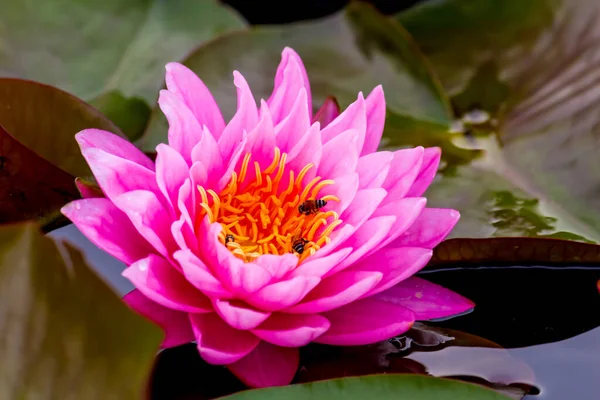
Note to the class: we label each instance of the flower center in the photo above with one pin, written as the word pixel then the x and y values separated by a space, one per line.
pixel 265 216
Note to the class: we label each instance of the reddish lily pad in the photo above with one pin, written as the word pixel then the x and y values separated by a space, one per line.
pixel 515 251
pixel 63 333
pixel 46 119
pixel 30 187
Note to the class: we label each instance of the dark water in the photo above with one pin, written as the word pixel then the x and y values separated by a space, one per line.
pixel 534 330
pixel 281 12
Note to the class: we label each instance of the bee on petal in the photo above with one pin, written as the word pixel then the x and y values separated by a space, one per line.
pixel 311 206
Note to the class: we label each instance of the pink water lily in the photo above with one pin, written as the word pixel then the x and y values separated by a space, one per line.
pixel 258 236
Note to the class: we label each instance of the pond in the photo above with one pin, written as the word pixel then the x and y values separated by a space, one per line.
pixel 465 130
pixel 534 334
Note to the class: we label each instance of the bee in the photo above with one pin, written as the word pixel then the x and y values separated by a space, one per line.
pixel 311 206
pixel 229 239
pixel 298 243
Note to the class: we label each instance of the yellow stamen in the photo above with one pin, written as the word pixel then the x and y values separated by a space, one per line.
pixel 261 218
pixel 244 169
pixel 302 173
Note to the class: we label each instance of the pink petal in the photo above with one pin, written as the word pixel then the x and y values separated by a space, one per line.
pixel 244 120
pixel 116 175
pixel 233 161
pixel 261 140
pixel 336 291
pixel 404 169
pixel 292 330
pixel 184 130
pixel 328 112
pixel 364 239
pixel 344 188
pixel 363 206
pixel 112 144
pixel 185 202
pixel 337 237
pixel 373 169
pixel 207 152
pixel 199 176
pixel 280 295
pixel 149 217
pixel 196 96
pixel 429 167
pixel 183 235
pixel 175 324
pixel 158 280
pixel 290 78
pixel 354 117
pixel 240 315
pixel 365 322
pixel 171 172
pixel 429 229
pixel 199 275
pixel 292 128
pixel 314 266
pixel 396 265
pixel 339 155
pixel 406 211
pixel 238 277
pixel 375 105
pixel 425 299
pixel 108 228
pixel 307 151
pixel 267 365
pixel 278 265
pixel 218 343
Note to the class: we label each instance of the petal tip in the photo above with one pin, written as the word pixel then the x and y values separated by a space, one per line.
pixel 173 66
pixel 85 138
pixel 288 50
pixel 67 209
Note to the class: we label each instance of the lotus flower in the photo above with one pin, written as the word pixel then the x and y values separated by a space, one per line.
pixel 277 229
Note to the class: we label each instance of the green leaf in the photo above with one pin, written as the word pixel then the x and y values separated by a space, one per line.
pixel 130 114
pixel 46 119
pixel 401 131
pixel 530 64
pixel 63 333
pixel 459 36
pixel 354 50
pixel 30 187
pixel 88 47
pixel 375 387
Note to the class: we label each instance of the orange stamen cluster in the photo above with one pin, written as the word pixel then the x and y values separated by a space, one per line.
pixel 263 218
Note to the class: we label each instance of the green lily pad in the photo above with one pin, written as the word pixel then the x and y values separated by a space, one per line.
pixel 460 36
pixel 64 334
pixel 46 119
pixel 351 51
pixel 88 47
pixel 376 387
pixel 130 114
pixel 529 63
